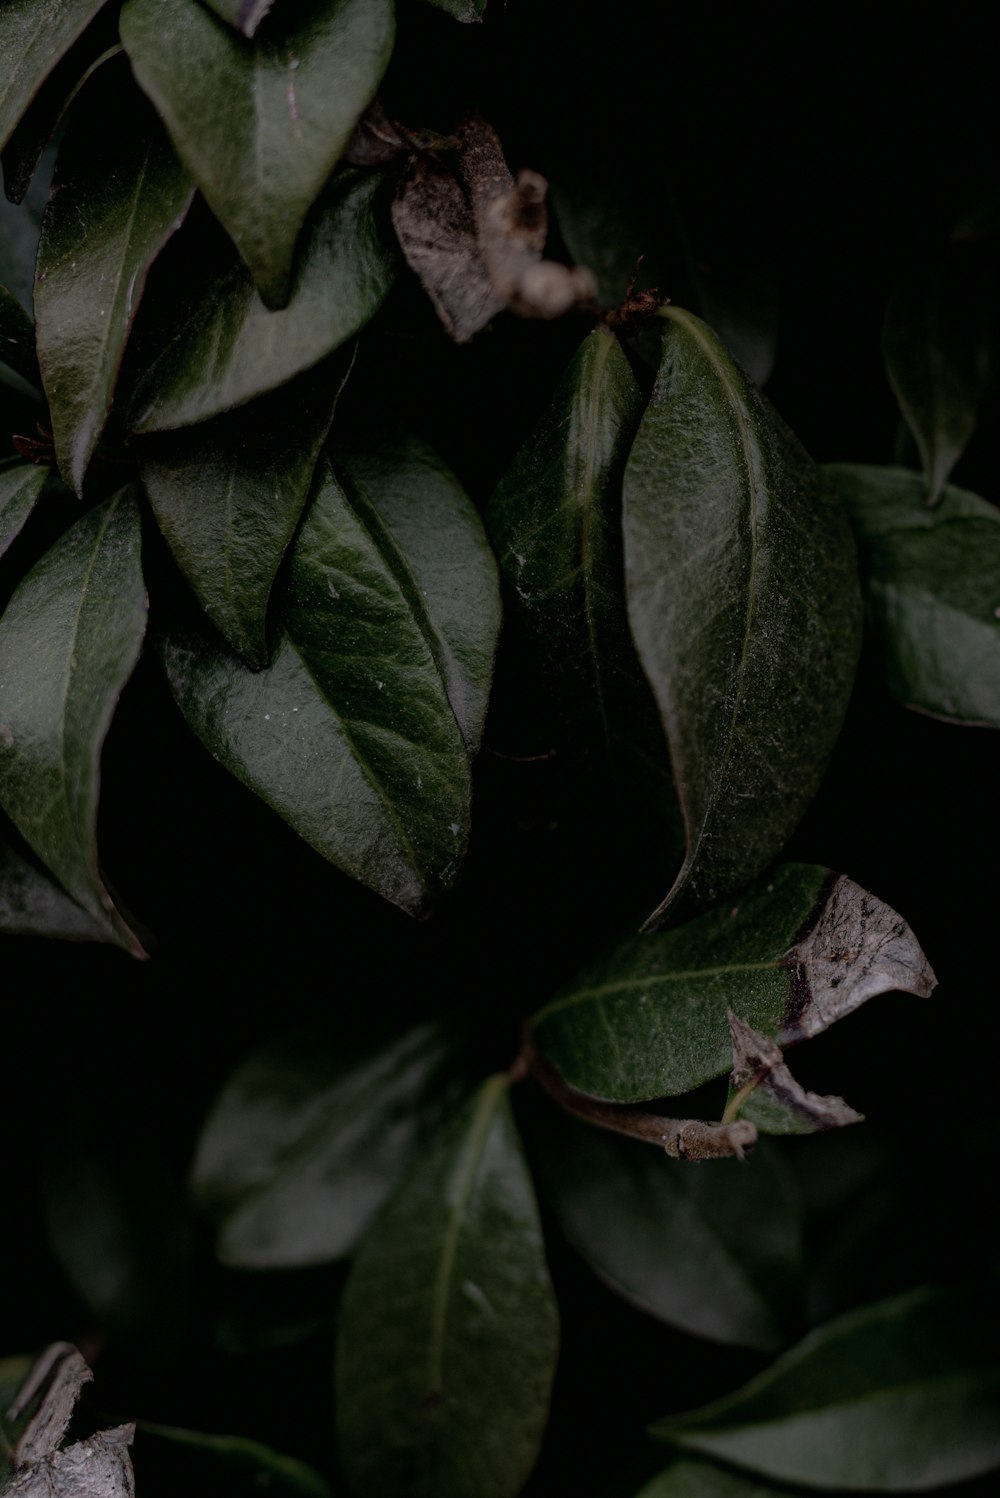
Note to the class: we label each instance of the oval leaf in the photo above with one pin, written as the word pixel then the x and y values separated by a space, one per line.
pixel 260 124
pixel 21 486
pixel 119 193
pixel 69 639
pixel 228 347
pixel 348 733
pixel 32 905
pixel 932 589
pixel 694 1479
pixel 744 606
pixel 449 1331
pixel 902 1394
pixel 791 957
pixel 34 35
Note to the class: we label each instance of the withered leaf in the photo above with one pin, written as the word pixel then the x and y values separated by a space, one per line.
pixel 776 1101
pixel 98 1467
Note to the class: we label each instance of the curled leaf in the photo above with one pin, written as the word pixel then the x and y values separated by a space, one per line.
pixel 769 1094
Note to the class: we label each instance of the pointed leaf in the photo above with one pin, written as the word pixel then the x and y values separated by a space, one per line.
pixel 34 35
pixel 436 529
pixel 694 1479
pixel 257 1465
pixel 449 1331
pixel 17 337
pixel 932 589
pixel 69 639
pixel 744 605
pixel 33 905
pixel 348 733
pixel 227 495
pixel 119 193
pixel 306 1142
pixel 260 124
pixel 228 347
pixel 900 1395
pixel 21 486
pixel 791 956
pixel 244 15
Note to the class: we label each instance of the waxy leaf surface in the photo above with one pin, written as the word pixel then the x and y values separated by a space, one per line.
pixel 348 733
pixel 21 485
pixel 17 337
pixel 306 1142
pixel 34 35
pixel 932 589
pixel 69 639
pixel 33 905
pixel 228 347
pixel 449 1330
pixel 791 956
pixel 260 124
pixel 119 193
pixel 694 1479
pixel 744 605
pixel 899 1395
pixel 227 495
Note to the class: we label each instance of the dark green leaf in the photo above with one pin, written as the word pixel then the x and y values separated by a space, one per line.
pixel 33 905
pixel 21 485
pixel 448 1332
pixel 694 1479
pixel 791 956
pixel 245 15
pixel 744 605
pixel 305 1143
pixel 17 337
pixel 259 1467
pixel 228 494
pixel 348 733
pixel 718 1253
pixel 34 35
pixel 440 540
pixel 19 231
pixel 932 588
pixel 119 193
pixel 69 639
pixel 228 347
pixel 260 124
pixel 901 1394
pixel 462 10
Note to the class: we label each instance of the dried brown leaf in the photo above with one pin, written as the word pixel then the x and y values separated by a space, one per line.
pixel 758 1065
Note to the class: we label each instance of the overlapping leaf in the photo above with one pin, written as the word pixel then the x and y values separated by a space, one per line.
pixel 449 1331
pixel 33 905
pixel 462 10
pixel 232 1458
pixel 228 348
pixel 34 35
pixel 260 124
pixel 245 15
pixel 21 485
pixel 744 607
pixel 17 337
pixel 932 589
pixel 69 639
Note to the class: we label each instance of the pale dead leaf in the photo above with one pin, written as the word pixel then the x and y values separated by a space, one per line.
pixel 99 1467
pixel 758 1063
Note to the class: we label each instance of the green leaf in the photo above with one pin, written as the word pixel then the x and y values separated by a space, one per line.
pixel 932 589
pixel 244 15
pixel 260 124
pixel 21 486
pixel 17 337
pixel 19 231
pixel 119 193
pixel 33 905
pixel 449 1331
pixel 227 495
pixel 229 348
pixel 306 1141
pixel 228 1458
pixel 34 35
pixel 900 1395
pixel 791 956
pixel 69 639
pixel 439 537
pixel 348 733
pixel 462 10
pixel 718 1253
pixel 694 1479
pixel 744 606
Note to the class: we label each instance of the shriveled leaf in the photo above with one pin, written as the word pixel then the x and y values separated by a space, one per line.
pixel 34 35
pixel 348 733
pixel 693 1479
pixel 305 1143
pixel 676 1242
pixel 35 1425
pixel 260 124
pixel 932 589
pixel 439 538
pixel 763 1090
pixel 21 486
pixel 245 15
pixel 99 1467
pixel 229 348
pixel 462 10
pixel 899 1395
pixel 791 956
pixel 17 337
pixel 40 1412
pixel 231 1456
pixel 449 1330
pixel 119 193
pixel 227 495
pixel 33 905
pixel 69 639
pixel 744 605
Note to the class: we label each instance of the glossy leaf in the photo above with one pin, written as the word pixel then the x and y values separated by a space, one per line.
pixel 34 35
pixel 899 1395
pixel 21 486
pixel 448 1330
pixel 431 523
pixel 462 10
pixel 348 733
pixel 19 231
pixel 744 606
pixel 259 1466
pixel 932 589
pixel 260 124
pixel 717 1252
pixel 227 495
pixel 229 348
pixel 244 15
pixel 69 639
pixel 119 193
pixel 33 905
pixel 791 956
pixel 17 337
pixel 306 1142
pixel 694 1479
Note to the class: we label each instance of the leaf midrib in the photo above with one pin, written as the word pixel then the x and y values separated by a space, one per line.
pixel 623 985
